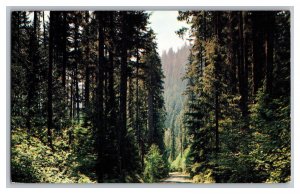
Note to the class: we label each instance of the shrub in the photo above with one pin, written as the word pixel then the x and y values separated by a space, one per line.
pixel 181 163
pixel 156 167
pixel 205 177
pixel 33 161
pixel 271 126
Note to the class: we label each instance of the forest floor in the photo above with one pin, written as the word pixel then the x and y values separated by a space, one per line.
pixel 177 177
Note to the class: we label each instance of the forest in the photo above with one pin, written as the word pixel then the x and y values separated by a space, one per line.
pixel 92 100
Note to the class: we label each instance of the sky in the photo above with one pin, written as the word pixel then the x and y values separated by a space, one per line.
pixel 164 24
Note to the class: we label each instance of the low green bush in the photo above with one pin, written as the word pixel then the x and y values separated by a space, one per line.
pixel 33 161
pixel 156 167
pixel 181 163
pixel 205 177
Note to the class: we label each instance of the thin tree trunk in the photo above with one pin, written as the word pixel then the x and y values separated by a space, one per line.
pixel 231 54
pixel 172 142
pixel 181 142
pixel 243 88
pixel 71 95
pixel 245 71
pixel 137 127
pixel 50 84
pixel 130 100
pixel 150 114
pixel 64 49
pixel 76 69
pixel 44 31
pixel 123 91
pixel 87 70
pixel 217 77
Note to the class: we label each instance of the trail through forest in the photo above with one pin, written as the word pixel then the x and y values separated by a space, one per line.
pixel 177 177
pixel 92 100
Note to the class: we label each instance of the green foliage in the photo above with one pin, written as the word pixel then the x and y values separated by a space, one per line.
pixel 181 163
pixel 56 90
pixel 173 66
pixel 82 69
pixel 238 133
pixel 270 122
pixel 32 161
pixel 156 167
pixel 176 164
pixel 205 177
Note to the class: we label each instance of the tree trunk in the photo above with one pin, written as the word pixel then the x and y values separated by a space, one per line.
pixel 50 84
pixel 111 91
pixel 87 71
pixel 245 70
pixel 231 54
pixel 269 47
pixel 71 95
pixel 172 142
pixel 64 50
pixel 76 68
pixel 130 101
pixel 242 67
pixel 123 91
pixel 258 51
pixel 87 68
pixel 99 96
pixel 137 127
pixel 150 115
pixel 217 78
pixel 31 75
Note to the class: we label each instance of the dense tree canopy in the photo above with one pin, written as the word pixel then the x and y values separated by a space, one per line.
pixel 87 89
pixel 93 101
pixel 237 111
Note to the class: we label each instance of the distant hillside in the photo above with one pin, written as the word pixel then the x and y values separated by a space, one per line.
pixel 174 69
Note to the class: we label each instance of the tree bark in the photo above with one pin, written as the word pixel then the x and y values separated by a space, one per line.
pixel 269 47
pixel 31 75
pixel 245 69
pixel 123 91
pixel 64 50
pixel 242 67
pixel 50 84
pixel 137 126
pixel 76 48
pixel 258 67
pixel 87 68
pixel 217 78
pixel 150 114
pixel 99 96
pixel 231 54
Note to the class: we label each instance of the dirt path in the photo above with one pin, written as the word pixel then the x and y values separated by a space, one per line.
pixel 177 177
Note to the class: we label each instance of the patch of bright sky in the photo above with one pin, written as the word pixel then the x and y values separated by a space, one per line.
pixel 165 24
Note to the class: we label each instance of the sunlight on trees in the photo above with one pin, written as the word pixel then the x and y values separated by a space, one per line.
pixel 93 102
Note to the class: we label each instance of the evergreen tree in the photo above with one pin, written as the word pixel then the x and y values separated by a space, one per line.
pixel 222 86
